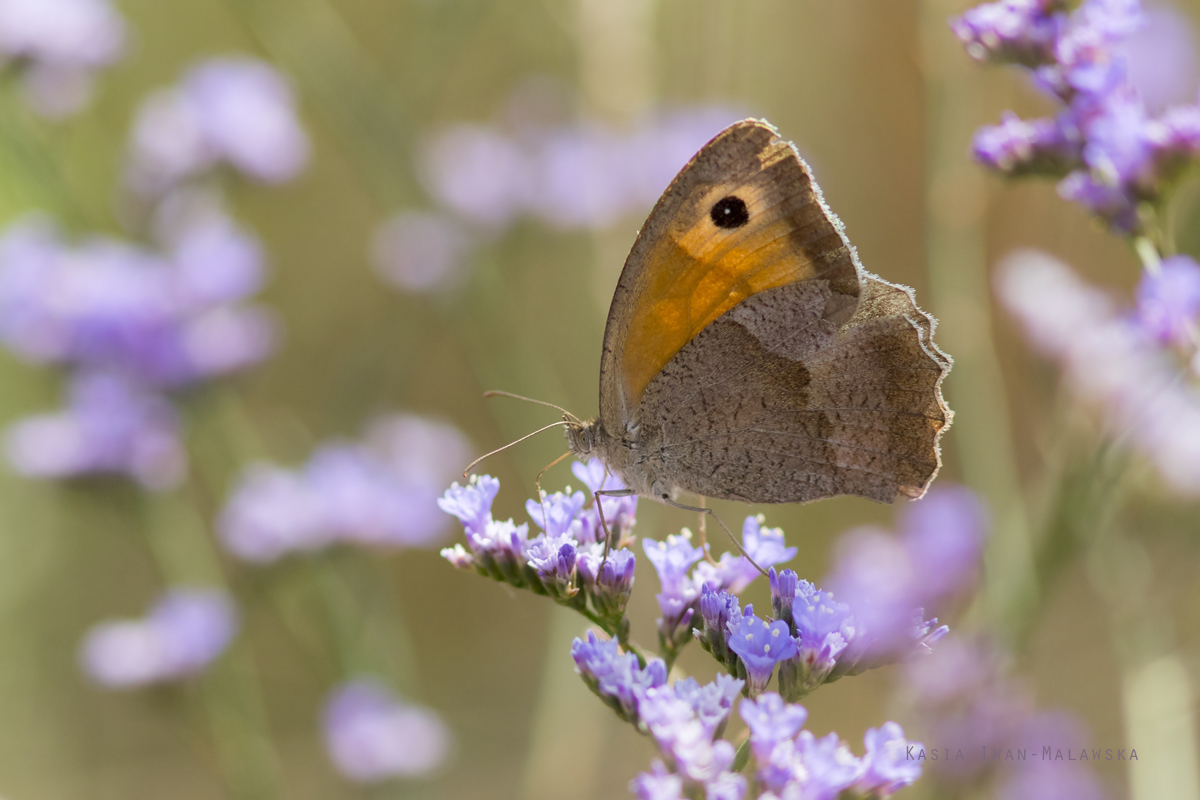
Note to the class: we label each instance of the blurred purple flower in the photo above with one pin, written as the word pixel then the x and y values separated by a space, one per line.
pixel 657 784
pixel 944 534
pixel 1160 58
pixel 59 45
pixel 1011 31
pixel 1023 147
pixel 711 702
pixel 371 736
pixel 771 721
pixel 734 573
pixel 875 576
pixel 110 426
pixel 686 741
pixel 235 109
pixel 361 493
pixel 1068 783
pixel 478 173
pixel 1168 301
pixel 794 763
pixel 1115 134
pixel 1109 362
pixel 185 631
pixel 421 252
pixel 108 304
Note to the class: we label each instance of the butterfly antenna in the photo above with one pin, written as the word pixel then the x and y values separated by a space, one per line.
pixel 497 393
pixel 471 466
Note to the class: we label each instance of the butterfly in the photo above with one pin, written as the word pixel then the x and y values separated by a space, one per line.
pixel 749 356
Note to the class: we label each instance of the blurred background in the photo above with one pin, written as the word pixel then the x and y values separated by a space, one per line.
pixel 464 181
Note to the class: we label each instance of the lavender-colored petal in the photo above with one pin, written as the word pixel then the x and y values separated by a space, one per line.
pixel 423 252
pixel 247 113
pixel 371 736
pixel 1168 301
pixel 759 646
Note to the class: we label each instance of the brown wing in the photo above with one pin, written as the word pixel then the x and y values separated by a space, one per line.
pixel 743 217
pixel 794 408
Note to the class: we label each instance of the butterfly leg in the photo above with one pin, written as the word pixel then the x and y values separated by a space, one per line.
pixel 713 514
pixel 703 539
pixel 603 523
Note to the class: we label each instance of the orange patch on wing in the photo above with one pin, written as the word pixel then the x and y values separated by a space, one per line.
pixel 697 277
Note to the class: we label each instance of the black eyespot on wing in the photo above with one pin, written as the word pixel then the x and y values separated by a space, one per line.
pixel 730 212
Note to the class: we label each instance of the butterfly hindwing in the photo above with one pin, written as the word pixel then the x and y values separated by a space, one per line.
pixel 771 404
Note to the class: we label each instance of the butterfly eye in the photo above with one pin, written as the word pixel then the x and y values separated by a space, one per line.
pixel 730 212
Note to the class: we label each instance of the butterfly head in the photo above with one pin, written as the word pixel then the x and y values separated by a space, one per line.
pixel 583 437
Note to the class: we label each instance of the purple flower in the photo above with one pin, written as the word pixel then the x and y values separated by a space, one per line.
pixel 421 252
pixel 554 558
pixel 217 261
pixel 60 44
pixel 944 534
pixel 560 512
pixel 185 631
pixel 1160 58
pixel 615 676
pixel 362 493
pixel 478 173
pixel 875 576
pixel 886 766
pixel 683 738
pixel 1016 31
pixel 1108 362
pixel 657 784
pixel 783 594
pixel 759 646
pixel 829 766
pixel 734 573
pixel 472 503
pixel 711 702
pixel 824 629
pixel 1071 783
pixel 1024 147
pixel 110 426
pixel 107 304
pixel 237 110
pixel 717 608
pixel 372 736
pixel 1168 301
pixel 609 583
pixel 771 721
pixel 672 559
pixel 270 514
pixel 247 114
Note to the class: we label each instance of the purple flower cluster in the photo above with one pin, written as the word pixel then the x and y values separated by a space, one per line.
pixel 57 46
pixel 130 323
pixel 381 492
pixel 1112 153
pixel 568 560
pixel 371 736
pixel 234 111
pixel 794 763
pixel 616 677
pixel 185 631
pixel 883 583
pixel 166 320
pixel 979 716
pixel 110 426
pixel 681 591
pixel 1115 361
